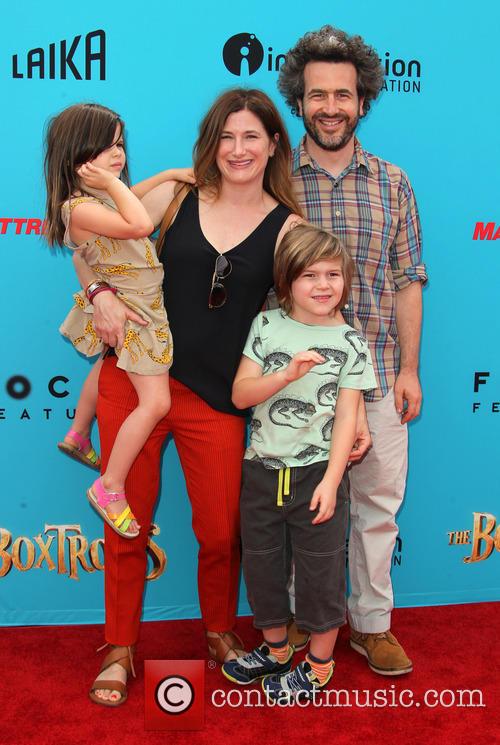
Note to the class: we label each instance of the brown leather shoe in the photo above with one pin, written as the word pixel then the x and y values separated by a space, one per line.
pixel 297 638
pixel 224 646
pixel 384 653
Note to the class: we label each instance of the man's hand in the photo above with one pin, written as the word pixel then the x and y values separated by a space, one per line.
pixel 301 363
pixel 324 497
pixel 407 389
pixel 110 315
pixel 363 440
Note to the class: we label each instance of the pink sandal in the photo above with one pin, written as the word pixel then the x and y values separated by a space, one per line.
pixel 90 459
pixel 99 498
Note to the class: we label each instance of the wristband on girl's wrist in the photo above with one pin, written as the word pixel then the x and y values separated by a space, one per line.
pixel 97 286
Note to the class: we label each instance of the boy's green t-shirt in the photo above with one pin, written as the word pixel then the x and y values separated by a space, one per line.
pixel 294 427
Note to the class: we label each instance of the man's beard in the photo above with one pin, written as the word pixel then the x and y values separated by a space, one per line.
pixel 330 142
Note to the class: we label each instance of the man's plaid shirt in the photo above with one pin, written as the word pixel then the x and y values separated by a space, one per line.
pixel 370 206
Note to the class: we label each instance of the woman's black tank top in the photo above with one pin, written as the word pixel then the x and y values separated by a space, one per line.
pixel 208 342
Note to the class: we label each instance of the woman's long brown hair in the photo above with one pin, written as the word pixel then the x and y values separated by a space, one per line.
pixel 277 179
pixel 76 135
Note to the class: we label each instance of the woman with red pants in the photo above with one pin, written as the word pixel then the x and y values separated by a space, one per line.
pixel 218 254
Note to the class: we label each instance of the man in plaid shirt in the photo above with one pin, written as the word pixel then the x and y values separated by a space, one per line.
pixel 329 79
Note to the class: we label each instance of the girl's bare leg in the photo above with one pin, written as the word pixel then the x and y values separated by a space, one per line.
pixel 154 403
pixel 85 410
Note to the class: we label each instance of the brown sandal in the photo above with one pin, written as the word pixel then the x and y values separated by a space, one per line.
pixel 222 644
pixel 123 657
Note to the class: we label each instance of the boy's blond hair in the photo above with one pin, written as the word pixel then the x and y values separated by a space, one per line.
pixel 302 246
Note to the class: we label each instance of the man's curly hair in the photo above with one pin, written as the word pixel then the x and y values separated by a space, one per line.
pixel 330 44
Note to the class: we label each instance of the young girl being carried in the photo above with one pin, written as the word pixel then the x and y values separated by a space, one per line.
pixel 91 210
pixel 303 369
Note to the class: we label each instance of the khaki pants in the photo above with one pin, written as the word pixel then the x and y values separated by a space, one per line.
pixel 377 487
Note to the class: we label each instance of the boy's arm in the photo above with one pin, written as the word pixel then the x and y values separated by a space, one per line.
pixel 363 441
pixel 171 174
pixel 343 436
pixel 251 387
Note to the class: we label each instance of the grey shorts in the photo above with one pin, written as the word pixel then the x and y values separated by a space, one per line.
pixel 269 518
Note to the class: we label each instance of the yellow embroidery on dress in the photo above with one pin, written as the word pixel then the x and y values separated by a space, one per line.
pixel 149 255
pixel 79 301
pixel 94 339
pixel 136 348
pixel 164 359
pixel 104 252
pixel 82 200
pixel 134 345
pixel 122 270
pixel 115 244
pixel 157 302
pixel 162 333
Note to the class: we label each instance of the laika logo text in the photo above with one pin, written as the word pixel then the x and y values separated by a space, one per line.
pixel 83 61
pixel 243 54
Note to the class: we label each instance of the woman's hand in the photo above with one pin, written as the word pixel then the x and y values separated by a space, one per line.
pixel 95 177
pixel 110 314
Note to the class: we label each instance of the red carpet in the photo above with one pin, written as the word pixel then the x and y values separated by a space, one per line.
pixel 45 673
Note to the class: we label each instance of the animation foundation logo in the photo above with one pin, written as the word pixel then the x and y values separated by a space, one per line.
pixel 243 54
pixel 398 552
pixel 401 76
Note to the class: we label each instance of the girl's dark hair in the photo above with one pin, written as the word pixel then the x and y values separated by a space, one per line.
pixel 277 180
pixel 330 44
pixel 76 135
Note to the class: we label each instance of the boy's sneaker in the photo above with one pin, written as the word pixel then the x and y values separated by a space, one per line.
pixel 257 664
pixel 297 684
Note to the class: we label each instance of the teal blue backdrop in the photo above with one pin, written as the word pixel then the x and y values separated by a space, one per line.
pixel 161 66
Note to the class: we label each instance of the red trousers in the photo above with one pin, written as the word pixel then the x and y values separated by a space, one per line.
pixel 210 445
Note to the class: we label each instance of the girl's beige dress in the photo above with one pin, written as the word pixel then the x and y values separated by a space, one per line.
pixel 131 266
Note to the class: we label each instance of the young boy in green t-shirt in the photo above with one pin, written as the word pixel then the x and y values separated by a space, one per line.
pixel 303 369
